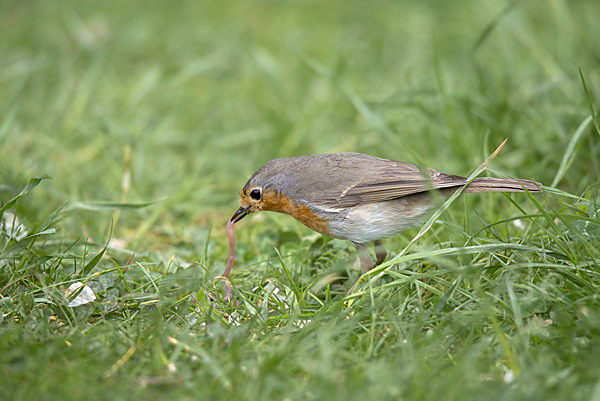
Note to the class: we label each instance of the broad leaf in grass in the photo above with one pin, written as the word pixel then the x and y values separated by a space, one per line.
pixel 589 229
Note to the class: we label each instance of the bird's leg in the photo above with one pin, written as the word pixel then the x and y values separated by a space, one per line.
pixel 380 252
pixel 363 254
pixel 365 261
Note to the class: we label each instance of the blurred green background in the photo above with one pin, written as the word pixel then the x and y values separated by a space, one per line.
pixel 178 103
pixel 203 93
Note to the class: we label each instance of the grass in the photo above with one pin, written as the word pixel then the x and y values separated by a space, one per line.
pixel 136 124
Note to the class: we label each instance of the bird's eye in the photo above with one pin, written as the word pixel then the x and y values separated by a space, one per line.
pixel 255 194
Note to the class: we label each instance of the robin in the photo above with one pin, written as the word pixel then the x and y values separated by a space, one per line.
pixel 356 197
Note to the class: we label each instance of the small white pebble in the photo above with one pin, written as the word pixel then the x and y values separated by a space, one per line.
pixel 84 297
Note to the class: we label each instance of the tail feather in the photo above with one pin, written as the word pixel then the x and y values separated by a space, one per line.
pixel 486 184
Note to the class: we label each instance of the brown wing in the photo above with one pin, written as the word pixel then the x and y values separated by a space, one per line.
pixel 379 180
pixel 392 190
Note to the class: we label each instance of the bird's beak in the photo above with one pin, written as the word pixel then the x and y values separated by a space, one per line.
pixel 240 214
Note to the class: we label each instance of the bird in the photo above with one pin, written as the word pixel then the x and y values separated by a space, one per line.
pixel 356 197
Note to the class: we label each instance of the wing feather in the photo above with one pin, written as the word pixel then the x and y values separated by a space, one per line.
pixel 387 180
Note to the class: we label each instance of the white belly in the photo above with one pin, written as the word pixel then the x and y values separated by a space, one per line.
pixel 373 221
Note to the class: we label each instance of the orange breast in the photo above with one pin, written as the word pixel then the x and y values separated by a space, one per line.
pixel 280 203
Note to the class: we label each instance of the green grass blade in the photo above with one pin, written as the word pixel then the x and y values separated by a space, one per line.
pixel 589 98
pixel 571 151
pixel 34 182
pixel 94 262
